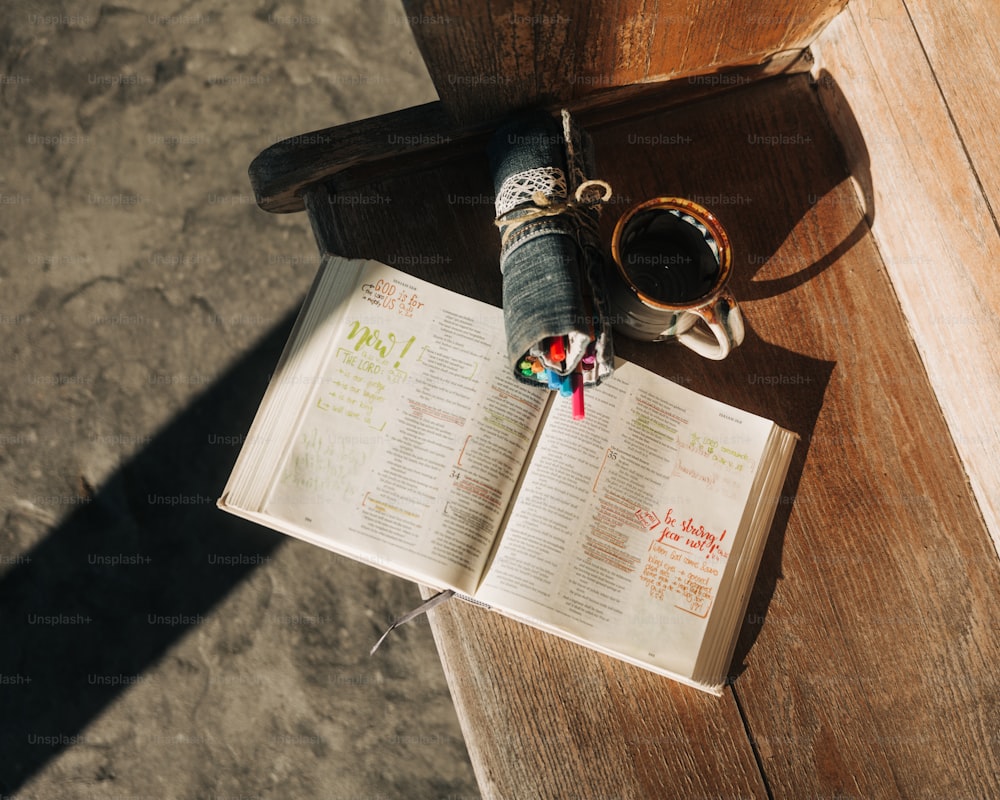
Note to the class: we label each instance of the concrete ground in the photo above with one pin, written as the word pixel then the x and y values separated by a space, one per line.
pixel 152 647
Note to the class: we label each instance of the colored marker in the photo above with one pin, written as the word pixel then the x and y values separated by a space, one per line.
pixel 577 382
pixel 557 350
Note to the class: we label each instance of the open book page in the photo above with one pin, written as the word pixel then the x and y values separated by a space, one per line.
pixel 625 520
pixel 744 557
pixel 413 434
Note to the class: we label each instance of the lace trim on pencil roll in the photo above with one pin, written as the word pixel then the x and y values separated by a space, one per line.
pixel 552 263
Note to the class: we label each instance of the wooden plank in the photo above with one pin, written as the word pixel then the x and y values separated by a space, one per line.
pixel 546 719
pixel 961 40
pixel 281 173
pixel 490 58
pixel 356 153
pixel 868 655
pixel 932 210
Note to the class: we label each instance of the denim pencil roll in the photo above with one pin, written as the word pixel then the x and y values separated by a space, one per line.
pixel 554 298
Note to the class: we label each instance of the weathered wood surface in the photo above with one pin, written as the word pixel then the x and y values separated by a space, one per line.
pixel 546 719
pixel 358 152
pixel 866 665
pixel 913 92
pixel 491 57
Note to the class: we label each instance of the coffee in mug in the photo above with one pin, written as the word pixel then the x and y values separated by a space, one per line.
pixel 672 261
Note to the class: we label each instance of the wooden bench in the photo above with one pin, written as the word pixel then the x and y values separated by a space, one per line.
pixel 850 152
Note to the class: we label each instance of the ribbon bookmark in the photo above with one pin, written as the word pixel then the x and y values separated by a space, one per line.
pixel 423 608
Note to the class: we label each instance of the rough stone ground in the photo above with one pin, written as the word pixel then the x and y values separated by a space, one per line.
pixel 152 647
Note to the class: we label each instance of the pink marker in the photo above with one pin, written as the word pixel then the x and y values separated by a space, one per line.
pixel 577 379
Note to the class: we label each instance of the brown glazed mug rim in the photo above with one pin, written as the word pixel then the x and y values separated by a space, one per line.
pixel 700 213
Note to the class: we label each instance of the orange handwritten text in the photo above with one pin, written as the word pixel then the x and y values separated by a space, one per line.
pixel 694 536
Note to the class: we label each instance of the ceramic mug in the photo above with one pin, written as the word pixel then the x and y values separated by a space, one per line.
pixel 672 262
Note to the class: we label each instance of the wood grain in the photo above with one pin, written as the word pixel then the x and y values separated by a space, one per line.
pixel 489 58
pixel 962 43
pixel 357 153
pixel 550 720
pixel 866 666
pixel 920 142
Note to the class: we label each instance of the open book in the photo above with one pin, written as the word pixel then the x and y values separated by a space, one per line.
pixel 394 432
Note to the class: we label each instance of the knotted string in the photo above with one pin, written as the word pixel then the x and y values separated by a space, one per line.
pixel 586 196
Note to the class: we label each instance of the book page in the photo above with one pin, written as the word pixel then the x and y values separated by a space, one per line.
pixel 414 432
pixel 624 522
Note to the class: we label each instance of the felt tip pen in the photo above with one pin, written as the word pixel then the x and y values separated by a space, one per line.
pixel 577 383
pixel 557 350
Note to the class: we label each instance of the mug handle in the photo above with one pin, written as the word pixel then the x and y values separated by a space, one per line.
pixel 725 331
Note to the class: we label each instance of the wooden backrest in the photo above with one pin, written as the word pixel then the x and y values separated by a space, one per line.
pixel 488 58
